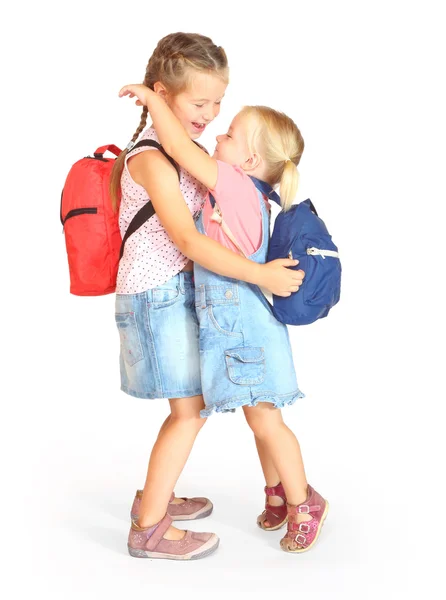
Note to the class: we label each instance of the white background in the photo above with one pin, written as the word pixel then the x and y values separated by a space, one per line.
pixel 365 83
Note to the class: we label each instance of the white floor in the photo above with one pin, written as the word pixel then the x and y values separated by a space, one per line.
pixel 78 448
pixel 84 474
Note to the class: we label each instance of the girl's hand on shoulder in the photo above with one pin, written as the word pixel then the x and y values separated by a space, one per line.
pixel 279 279
pixel 142 93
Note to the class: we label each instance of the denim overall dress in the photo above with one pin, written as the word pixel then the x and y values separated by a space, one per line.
pixel 245 353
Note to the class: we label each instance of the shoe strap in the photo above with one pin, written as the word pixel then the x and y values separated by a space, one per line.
pixel 139 495
pixel 277 490
pixel 303 527
pixel 308 506
pixel 159 532
pixel 305 509
pixel 277 511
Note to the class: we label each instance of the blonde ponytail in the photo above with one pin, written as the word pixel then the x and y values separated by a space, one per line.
pixel 289 182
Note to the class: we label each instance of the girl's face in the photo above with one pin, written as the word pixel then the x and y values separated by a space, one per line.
pixel 232 147
pixel 199 103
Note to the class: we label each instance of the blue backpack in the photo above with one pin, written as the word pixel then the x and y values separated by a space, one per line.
pixel 300 234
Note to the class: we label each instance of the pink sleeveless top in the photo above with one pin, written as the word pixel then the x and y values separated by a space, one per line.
pixel 150 257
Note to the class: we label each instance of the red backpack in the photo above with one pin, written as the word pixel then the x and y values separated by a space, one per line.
pixel 91 227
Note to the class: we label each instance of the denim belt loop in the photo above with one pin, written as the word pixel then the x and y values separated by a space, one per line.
pixel 181 283
pixel 203 296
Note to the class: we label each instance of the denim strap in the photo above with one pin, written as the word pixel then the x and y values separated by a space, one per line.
pixel 265 188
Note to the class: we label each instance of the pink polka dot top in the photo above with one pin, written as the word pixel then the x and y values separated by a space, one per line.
pixel 150 257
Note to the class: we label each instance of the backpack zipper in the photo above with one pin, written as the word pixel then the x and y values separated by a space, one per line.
pixel 323 253
pixel 99 157
pixel 79 211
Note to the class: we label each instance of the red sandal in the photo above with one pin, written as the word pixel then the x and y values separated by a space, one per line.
pixel 300 537
pixel 275 515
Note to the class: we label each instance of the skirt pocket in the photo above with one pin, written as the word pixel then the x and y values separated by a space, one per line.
pixel 128 333
pixel 226 319
pixel 246 366
pixel 163 297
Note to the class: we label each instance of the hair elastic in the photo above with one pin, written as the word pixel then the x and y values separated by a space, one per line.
pixel 129 146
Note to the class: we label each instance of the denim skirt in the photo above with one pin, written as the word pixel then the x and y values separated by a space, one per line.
pixel 159 340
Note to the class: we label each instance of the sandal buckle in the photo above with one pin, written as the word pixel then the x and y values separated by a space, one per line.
pixel 307 530
pixel 301 508
pixel 302 540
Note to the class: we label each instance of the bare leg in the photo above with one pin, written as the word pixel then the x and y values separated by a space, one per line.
pixel 169 455
pixel 279 450
pixel 270 473
pixel 269 470
pixel 163 426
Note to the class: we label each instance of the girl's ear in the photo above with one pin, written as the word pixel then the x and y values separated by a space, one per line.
pixel 252 162
pixel 160 89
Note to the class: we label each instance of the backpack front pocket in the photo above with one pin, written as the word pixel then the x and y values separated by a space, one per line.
pixel 76 212
pixel 246 366
pixel 322 268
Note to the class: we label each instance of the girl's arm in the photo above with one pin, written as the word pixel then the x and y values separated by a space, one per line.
pixel 173 137
pixel 153 171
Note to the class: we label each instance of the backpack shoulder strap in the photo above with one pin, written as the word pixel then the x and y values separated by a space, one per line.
pixel 266 189
pixel 153 144
pixel 148 210
pixel 310 206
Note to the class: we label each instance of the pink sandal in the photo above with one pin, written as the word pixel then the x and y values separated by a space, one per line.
pixel 300 537
pixel 191 508
pixel 149 542
pixel 275 515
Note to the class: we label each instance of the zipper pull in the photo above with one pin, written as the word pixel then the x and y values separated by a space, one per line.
pixel 315 252
pixel 324 253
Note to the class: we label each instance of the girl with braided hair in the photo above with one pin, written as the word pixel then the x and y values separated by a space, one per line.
pixel 155 294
